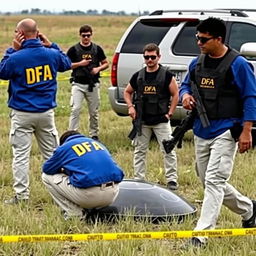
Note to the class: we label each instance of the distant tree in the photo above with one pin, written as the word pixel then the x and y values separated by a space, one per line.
pixel 145 13
pixel 92 12
pixel 121 13
pixel 24 12
pixel 77 12
pixel 46 12
pixel 35 11
pixel 106 12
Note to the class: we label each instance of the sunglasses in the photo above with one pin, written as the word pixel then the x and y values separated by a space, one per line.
pixel 202 39
pixel 86 35
pixel 152 57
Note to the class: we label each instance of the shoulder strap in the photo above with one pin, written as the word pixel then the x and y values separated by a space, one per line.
pixel 200 62
pixel 160 78
pixel 226 62
pixel 94 48
pixel 140 79
pixel 78 47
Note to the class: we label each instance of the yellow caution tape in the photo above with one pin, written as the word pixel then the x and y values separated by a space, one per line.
pixel 129 236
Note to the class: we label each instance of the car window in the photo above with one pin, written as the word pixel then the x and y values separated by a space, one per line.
pixel 241 33
pixel 144 32
pixel 185 43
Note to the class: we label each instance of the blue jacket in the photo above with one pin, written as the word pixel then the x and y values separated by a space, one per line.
pixel 244 79
pixel 32 72
pixel 87 162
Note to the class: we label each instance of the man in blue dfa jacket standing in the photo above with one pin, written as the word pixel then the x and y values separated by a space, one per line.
pixel 31 65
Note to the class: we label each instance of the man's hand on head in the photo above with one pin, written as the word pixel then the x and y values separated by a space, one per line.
pixel 17 40
pixel 44 40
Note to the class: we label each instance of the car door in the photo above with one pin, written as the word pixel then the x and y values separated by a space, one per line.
pixel 240 33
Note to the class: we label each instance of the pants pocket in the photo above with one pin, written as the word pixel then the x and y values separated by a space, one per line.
pixel 58 178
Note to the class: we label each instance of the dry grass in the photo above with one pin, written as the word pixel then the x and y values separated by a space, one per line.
pixel 41 216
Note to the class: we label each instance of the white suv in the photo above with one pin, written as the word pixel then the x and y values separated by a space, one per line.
pixel 174 32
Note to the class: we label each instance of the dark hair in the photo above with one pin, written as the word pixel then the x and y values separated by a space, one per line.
pixel 67 134
pixel 151 47
pixel 85 28
pixel 214 26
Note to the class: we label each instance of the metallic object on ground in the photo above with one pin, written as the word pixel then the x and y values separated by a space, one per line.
pixel 147 201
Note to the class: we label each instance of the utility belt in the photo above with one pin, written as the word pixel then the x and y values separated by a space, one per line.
pixel 81 80
pixel 91 83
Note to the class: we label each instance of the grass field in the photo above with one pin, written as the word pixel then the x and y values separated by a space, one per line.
pixel 42 216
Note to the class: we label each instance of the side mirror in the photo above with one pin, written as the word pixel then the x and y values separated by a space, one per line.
pixel 248 49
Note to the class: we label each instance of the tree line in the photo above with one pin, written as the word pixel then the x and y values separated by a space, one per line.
pixel 37 11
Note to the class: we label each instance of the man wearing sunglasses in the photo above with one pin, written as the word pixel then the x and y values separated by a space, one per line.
pixel 156 96
pixel 227 86
pixel 88 59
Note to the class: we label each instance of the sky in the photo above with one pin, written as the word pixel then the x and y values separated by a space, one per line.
pixel 122 5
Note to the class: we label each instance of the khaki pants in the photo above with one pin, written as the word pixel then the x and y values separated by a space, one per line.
pixel 162 131
pixel 78 94
pixel 214 162
pixel 23 126
pixel 73 200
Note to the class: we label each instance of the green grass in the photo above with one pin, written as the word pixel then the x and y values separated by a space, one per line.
pixel 42 216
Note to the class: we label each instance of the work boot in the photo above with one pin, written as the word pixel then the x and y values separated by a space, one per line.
pixel 251 223
pixel 172 185
pixel 194 242
pixel 15 200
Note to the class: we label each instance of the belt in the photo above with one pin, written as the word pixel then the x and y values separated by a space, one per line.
pixel 107 184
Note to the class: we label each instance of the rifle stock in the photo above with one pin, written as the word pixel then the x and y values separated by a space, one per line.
pixel 179 132
pixel 137 123
pixel 187 123
pixel 136 128
pixel 200 106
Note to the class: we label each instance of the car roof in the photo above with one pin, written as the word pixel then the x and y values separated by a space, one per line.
pixel 200 14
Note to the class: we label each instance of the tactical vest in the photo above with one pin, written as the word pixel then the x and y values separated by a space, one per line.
pixel 82 54
pixel 220 97
pixel 156 98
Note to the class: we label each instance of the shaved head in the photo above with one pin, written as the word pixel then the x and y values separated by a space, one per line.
pixel 28 27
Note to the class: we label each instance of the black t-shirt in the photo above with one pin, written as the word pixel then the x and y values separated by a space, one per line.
pixel 213 63
pixel 149 77
pixel 71 53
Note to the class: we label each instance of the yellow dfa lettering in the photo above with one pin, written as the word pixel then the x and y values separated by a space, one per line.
pixel 79 149
pixel 150 88
pixel 30 75
pixel 207 81
pixel 39 73
pixel 87 56
pixel 87 146
pixel 97 146
pixel 47 73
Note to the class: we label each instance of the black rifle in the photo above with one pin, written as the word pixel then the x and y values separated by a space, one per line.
pixel 91 84
pixel 187 123
pixel 136 128
pixel 200 106
pixel 84 71
pixel 179 132
pixel 136 124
